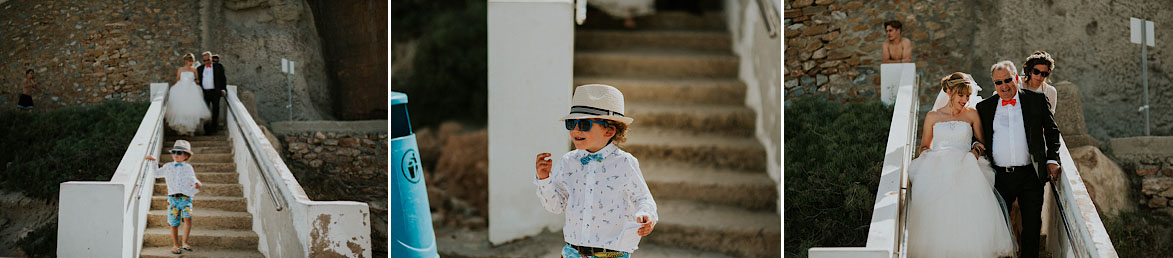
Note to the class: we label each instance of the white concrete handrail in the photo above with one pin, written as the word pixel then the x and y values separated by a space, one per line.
pixel 886 232
pixel 1083 219
pixel 106 219
pixel 304 228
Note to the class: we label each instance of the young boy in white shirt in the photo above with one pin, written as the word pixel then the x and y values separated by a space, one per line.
pixel 182 184
pixel 600 187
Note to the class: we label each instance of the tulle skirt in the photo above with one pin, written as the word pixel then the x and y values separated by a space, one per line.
pixel 186 110
pixel 954 209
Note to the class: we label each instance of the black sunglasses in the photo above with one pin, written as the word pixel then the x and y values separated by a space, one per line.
pixel 583 124
pixel 1040 73
pixel 175 152
pixel 1007 80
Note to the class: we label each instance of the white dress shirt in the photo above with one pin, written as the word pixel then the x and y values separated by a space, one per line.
pixel 209 80
pixel 601 199
pixel 1010 146
pixel 180 179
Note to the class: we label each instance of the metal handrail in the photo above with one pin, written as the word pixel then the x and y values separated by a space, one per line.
pixel 770 16
pixel 909 151
pixel 258 157
pixel 141 179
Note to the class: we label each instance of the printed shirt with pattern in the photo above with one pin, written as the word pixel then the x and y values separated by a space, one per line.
pixel 180 179
pixel 601 199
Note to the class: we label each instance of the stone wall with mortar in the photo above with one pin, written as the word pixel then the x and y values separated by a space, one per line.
pixel 92 51
pixel 833 46
pixel 1149 162
pixel 341 161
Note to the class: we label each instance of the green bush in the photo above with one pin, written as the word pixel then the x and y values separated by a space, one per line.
pixel 449 77
pixel 1142 233
pixel 833 155
pixel 43 149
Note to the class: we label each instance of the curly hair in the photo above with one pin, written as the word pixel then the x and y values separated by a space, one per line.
pixel 1039 58
pixel 620 131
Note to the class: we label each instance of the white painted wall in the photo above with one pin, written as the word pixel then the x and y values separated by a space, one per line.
pixel 531 53
pixel 760 68
pixel 303 227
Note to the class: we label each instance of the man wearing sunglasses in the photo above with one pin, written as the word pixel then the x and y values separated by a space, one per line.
pixel 1023 143
pixel 1037 69
pixel 215 85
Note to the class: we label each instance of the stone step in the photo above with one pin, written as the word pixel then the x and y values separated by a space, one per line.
pixel 213 166
pixel 205 218
pixel 743 189
pixel 698 91
pixel 201 252
pixel 201 157
pixel 220 137
pixel 726 229
pixel 717 150
pixel 225 203
pixel 706 41
pixel 733 120
pixel 207 190
pixel 655 63
pixel 212 178
pixel 205 150
pixel 662 20
pixel 202 237
pixel 194 144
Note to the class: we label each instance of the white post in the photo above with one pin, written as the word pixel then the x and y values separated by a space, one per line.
pixel 92 220
pixel 287 69
pixel 531 53
pixel 1142 33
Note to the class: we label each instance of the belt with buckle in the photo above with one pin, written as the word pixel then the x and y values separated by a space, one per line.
pixel 595 251
pixel 178 195
pixel 1010 169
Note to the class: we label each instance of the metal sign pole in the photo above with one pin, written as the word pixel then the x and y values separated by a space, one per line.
pixel 1144 74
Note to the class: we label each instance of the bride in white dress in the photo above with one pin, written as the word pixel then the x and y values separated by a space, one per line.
pixel 954 210
pixel 186 110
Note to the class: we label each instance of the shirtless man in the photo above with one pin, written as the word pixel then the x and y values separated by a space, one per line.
pixel 897 49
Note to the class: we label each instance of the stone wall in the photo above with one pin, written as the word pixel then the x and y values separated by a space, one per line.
pixel 341 161
pixel 833 46
pixel 1149 162
pixel 92 51
pixel 354 43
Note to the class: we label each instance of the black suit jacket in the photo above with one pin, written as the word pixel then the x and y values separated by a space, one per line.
pixel 218 70
pixel 1042 134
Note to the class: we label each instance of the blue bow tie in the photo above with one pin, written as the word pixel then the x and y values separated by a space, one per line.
pixel 587 159
pixel 178 164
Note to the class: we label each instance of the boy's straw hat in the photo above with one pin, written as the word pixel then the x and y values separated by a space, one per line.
pixel 597 101
pixel 182 145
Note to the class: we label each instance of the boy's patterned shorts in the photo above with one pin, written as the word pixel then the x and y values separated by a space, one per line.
pixel 177 208
pixel 569 252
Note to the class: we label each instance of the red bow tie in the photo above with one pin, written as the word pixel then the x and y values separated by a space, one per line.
pixel 208 66
pixel 1011 102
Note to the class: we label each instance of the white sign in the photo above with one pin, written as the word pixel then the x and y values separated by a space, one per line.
pixel 291 68
pixel 284 65
pixel 1136 31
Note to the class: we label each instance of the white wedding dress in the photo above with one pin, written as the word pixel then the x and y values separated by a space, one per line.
pixel 186 110
pixel 954 210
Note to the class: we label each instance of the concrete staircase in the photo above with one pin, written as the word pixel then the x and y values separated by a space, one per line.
pixel 693 133
pixel 221 225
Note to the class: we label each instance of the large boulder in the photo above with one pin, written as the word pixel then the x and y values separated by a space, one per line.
pixel 1106 182
pixel 1069 116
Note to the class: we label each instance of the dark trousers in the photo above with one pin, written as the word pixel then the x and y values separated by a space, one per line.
pixel 212 99
pixel 1023 185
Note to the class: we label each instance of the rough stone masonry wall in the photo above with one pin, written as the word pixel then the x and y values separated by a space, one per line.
pixel 834 46
pixel 92 51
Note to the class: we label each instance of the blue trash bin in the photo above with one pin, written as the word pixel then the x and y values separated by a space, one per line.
pixel 411 218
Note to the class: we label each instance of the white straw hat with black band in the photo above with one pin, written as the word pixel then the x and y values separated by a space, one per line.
pixel 597 101
pixel 182 145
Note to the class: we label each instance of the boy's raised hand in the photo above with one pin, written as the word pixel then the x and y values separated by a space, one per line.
pixel 647 226
pixel 149 157
pixel 543 165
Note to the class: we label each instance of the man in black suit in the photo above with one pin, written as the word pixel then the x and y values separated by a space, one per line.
pixel 211 79
pixel 1023 147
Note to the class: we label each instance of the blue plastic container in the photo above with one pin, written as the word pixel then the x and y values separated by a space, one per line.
pixel 411 219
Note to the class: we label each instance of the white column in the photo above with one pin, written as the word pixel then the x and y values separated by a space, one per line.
pixel 91 221
pixel 531 53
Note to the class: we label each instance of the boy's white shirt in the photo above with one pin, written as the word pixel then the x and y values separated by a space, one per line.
pixel 601 199
pixel 180 179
